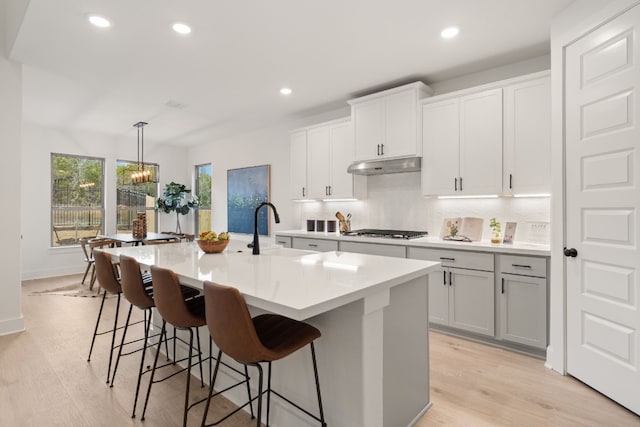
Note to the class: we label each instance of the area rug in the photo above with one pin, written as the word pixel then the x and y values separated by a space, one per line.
pixel 72 290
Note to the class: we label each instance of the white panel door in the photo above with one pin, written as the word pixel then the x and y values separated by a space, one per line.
pixel 318 162
pixel 440 147
pixel 602 209
pixel 481 143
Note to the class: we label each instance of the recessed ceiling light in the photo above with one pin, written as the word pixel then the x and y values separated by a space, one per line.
pixel 99 21
pixel 285 91
pixel 449 32
pixel 181 28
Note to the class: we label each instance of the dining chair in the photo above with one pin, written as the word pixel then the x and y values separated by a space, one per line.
pixel 137 289
pixel 93 243
pixel 84 244
pixel 106 274
pixel 252 341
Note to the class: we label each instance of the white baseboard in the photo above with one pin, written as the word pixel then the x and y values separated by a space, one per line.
pixel 11 326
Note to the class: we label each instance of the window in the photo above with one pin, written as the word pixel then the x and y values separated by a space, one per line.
pixel 77 198
pixel 131 199
pixel 203 191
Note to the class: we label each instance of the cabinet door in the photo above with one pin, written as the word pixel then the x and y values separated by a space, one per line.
pixel 481 143
pixel 318 141
pixel 368 122
pixel 400 125
pixel 298 184
pixel 439 297
pixel 440 148
pixel 319 245
pixel 341 152
pixel 523 310
pixel 527 137
pixel 284 241
pixel 373 249
pixel 471 301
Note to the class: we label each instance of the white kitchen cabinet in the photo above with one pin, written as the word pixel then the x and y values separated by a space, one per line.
pixel 386 123
pixel 522 300
pixel 373 249
pixel 284 241
pixel 461 293
pixel 319 245
pixel 329 151
pixel 462 145
pixel 298 183
pixel 527 137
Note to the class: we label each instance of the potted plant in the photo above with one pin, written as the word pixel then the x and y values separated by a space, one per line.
pixel 175 200
pixel 496 228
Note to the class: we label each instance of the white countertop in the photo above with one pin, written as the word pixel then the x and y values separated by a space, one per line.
pixel 516 248
pixel 295 283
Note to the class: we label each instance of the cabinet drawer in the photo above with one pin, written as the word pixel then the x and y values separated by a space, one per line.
pixel 319 245
pixel 373 249
pixel 523 265
pixel 458 259
pixel 284 241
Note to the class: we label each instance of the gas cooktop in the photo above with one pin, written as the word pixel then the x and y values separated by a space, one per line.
pixel 392 234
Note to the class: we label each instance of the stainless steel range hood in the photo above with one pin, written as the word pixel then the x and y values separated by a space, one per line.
pixel 379 167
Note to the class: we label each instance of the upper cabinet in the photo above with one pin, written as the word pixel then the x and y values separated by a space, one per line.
pixel 386 123
pixel 328 151
pixel 462 145
pixel 527 137
pixel 298 188
pixel 489 140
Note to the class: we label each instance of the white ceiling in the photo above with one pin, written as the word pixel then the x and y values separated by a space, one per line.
pixel 224 78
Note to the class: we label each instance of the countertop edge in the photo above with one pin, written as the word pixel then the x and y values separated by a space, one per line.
pixel 428 242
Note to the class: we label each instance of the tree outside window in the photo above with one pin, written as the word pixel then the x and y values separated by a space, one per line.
pixel 133 198
pixel 77 198
pixel 203 191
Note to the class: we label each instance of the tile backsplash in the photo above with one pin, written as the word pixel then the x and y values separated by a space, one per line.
pixel 395 201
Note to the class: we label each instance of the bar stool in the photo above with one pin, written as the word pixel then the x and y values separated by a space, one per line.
pixel 139 293
pixel 108 279
pixel 185 315
pixel 265 338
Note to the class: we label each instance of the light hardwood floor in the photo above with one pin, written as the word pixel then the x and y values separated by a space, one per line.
pixel 45 379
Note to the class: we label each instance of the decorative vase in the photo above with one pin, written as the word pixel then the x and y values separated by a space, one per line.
pixel 495 239
pixel 178 229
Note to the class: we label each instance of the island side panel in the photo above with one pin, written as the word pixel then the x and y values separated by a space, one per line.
pixel 406 353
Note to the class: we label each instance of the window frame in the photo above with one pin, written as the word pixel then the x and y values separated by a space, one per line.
pixel 197 226
pixel 152 215
pixel 78 231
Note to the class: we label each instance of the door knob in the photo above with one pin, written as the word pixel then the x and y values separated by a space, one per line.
pixel 572 252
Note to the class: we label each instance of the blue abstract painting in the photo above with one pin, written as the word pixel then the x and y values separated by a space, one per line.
pixel 246 189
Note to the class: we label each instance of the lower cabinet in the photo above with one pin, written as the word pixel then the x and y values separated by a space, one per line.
pixel 374 249
pixel 522 300
pixel 284 241
pixel 319 245
pixel 459 297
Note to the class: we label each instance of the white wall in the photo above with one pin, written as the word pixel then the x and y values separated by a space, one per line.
pixel 39 259
pixel 11 319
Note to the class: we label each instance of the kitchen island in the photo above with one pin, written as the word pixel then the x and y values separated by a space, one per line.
pixel 372 312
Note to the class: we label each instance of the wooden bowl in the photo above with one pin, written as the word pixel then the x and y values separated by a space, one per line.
pixel 212 246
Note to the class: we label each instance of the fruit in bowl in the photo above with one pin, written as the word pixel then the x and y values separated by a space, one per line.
pixel 211 242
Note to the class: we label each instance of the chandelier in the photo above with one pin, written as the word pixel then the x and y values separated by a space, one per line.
pixel 142 175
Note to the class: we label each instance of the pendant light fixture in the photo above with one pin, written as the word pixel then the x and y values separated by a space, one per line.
pixel 142 175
